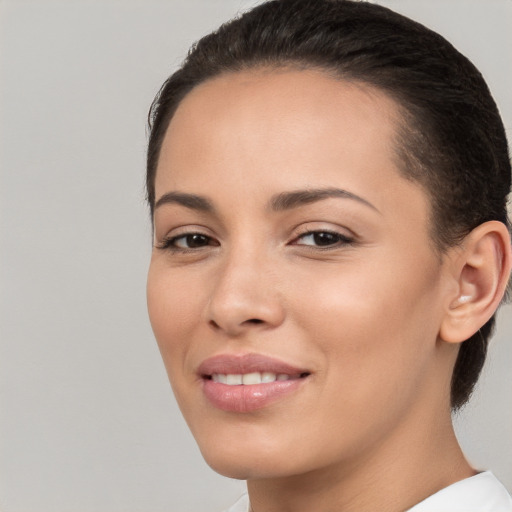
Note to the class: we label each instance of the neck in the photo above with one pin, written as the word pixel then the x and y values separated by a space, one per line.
pixel 392 477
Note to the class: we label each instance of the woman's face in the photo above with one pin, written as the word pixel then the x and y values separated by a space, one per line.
pixel 293 289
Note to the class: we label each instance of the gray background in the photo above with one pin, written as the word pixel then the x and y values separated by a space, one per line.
pixel 88 422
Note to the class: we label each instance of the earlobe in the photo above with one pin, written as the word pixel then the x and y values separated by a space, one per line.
pixel 481 269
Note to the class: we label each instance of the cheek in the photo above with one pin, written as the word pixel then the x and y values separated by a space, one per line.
pixel 373 326
pixel 172 312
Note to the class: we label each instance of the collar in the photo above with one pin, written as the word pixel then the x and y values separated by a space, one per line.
pixel 479 493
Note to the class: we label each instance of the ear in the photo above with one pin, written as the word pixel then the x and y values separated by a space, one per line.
pixel 480 269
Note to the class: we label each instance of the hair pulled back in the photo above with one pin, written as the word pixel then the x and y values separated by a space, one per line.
pixel 451 139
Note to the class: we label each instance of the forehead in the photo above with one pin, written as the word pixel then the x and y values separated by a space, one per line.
pixel 280 129
pixel 306 100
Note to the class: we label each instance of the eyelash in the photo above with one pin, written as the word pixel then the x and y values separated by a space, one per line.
pixel 340 240
pixel 169 243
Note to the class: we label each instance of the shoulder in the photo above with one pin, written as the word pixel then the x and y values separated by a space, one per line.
pixel 480 493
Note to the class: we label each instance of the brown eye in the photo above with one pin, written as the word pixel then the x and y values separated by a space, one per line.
pixel 323 239
pixel 192 241
pixel 188 242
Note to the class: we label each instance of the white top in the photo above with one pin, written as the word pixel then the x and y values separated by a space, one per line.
pixel 480 493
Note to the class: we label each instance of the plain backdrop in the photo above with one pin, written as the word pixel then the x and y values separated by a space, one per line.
pixel 88 421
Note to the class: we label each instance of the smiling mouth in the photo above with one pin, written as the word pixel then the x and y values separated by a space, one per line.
pixel 249 382
pixel 253 378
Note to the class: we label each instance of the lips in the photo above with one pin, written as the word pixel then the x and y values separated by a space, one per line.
pixel 248 382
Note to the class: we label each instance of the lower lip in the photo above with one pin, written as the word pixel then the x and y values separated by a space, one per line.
pixel 247 398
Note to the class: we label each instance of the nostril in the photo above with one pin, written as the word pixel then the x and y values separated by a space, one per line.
pixel 250 321
pixel 214 324
pixel 234 328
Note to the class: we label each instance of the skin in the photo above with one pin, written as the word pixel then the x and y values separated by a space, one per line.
pixel 370 428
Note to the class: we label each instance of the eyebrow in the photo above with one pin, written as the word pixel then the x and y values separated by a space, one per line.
pixel 192 201
pixel 294 199
pixel 280 202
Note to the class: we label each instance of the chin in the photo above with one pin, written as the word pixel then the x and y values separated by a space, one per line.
pixel 231 469
pixel 244 469
pixel 248 462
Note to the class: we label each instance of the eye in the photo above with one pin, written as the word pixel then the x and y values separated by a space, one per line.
pixel 188 242
pixel 325 239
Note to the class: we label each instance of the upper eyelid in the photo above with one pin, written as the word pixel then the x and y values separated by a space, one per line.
pixel 323 227
pixel 183 230
pixel 329 231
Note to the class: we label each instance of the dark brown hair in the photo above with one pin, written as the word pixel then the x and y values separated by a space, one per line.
pixel 451 139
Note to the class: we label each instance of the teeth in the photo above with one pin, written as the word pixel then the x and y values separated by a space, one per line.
pixel 219 377
pixel 233 380
pixel 249 378
pixel 268 377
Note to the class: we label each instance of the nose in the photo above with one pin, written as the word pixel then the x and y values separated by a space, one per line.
pixel 245 296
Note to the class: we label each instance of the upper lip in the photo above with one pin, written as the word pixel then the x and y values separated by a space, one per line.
pixel 246 363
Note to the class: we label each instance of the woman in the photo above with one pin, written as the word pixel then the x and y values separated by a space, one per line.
pixel 328 184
